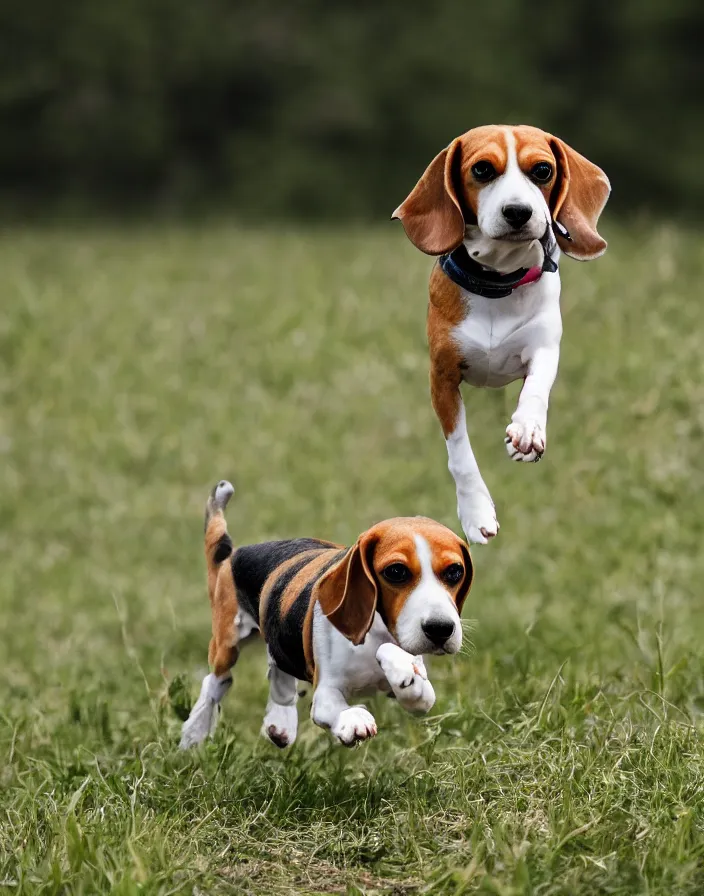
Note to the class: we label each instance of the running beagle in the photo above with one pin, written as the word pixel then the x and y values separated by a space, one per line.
pixel 497 206
pixel 349 620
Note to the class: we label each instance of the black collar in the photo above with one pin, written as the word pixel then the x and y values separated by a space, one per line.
pixel 470 275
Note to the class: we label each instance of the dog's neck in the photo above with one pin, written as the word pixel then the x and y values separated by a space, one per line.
pixel 503 256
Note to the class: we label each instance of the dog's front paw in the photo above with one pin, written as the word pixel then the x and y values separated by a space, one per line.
pixel 478 516
pixel 280 725
pixel 354 725
pixel 403 672
pixel 525 441
pixel 407 676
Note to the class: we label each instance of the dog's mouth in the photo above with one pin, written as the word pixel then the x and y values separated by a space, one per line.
pixel 446 649
pixel 524 235
pixel 424 647
pixel 517 236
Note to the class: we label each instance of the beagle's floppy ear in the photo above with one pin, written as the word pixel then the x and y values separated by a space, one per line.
pixel 579 197
pixel 432 215
pixel 463 590
pixel 348 592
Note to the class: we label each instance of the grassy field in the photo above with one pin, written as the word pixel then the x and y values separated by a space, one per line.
pixel 564 754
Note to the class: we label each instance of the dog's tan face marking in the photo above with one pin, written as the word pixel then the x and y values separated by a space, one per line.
pixel 533 150
pixel 397 547
pixel 487 145
pixel 490 145
pixel 503 173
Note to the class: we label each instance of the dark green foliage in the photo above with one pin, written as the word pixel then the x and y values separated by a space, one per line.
pixel 315 109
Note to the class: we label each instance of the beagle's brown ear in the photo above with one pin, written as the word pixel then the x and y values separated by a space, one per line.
pixel 463 590
pixel 432 215
pixel 348 592
pixel 578 198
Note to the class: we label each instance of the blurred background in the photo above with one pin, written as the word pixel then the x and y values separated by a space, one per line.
pixel 324 110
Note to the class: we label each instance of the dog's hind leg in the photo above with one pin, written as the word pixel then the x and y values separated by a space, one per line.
pixel 204 716
pixel 224 648
pixel 223 655
pixel 280 723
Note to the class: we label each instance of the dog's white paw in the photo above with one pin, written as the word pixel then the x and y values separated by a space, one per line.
pixel 354 725
pixel 525 441
pixel 280 725
pixel 407 676
pixel 478 516
pixel 403 672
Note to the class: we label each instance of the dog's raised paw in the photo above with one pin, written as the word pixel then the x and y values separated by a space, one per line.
pixel 354 725
pixel 400 668
pixel 525 441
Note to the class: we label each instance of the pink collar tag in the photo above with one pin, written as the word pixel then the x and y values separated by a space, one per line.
pixel 531 276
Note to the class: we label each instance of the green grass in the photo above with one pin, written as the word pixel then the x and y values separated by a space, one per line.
pixel 564 754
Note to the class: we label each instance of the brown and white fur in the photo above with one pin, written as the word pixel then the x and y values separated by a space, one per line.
pixel 332 616
pixel 493 342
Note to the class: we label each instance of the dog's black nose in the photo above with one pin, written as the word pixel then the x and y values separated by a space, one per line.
pixel 438 631
pixel 517 215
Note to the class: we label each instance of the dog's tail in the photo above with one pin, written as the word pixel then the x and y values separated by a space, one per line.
pixel 218 544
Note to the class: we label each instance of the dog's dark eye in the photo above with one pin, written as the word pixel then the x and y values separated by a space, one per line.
pixel 483 171
pixel 542 172
pixel 453 574
pixel 396 573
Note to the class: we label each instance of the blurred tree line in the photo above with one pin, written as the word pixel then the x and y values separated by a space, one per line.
pixel 325 109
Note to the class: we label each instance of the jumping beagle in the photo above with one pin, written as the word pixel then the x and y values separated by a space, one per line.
pixel 497 206
pixel 349 620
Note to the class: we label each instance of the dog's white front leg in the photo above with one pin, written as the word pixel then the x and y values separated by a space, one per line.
pixel 408 678
pixel 526 434
pixel 474 505
pixel 280 723
pixel 349 724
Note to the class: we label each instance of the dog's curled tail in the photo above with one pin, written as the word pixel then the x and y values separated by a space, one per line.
pixel 218 544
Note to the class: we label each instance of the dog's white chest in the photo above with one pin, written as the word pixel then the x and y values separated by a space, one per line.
pixel 352 669
pixel 496 337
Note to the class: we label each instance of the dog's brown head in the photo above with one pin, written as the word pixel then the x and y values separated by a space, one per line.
pixel 510 182
pixel 415 572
